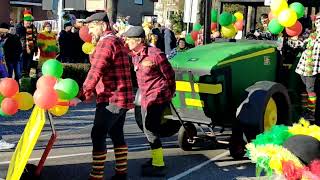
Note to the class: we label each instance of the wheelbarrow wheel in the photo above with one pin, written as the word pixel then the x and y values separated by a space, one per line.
pixel 183 136
pixel 29 173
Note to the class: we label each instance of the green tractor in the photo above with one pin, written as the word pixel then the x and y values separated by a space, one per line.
pixel 245 85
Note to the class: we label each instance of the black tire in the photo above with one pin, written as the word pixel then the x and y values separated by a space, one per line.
pixel 167 129
pixel 183 136
pixel 251 118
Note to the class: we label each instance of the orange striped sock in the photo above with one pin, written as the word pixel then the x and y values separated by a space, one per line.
pixel 99 158
pixel 121 155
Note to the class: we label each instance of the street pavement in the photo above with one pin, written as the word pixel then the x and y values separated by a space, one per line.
pixel 70 158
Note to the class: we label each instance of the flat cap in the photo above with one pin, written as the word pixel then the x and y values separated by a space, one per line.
pixel 306 148
pixel 97 17
pixel 135 32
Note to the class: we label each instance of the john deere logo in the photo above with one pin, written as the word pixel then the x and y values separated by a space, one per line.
pixel 266 60
pixel 193 59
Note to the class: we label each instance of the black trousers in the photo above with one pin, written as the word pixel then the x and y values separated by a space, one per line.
pixel 151 119
pixel 109 119
pixel 317 91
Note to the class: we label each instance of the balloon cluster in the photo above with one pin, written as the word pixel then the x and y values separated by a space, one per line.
pixel 231 24
pixel 53 93
pixel 285 17
pixel 87 47
pixel 193 36
pixel 11 99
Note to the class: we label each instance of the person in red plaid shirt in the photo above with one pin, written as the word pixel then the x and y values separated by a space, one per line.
pixel 156 81
pixel 110 77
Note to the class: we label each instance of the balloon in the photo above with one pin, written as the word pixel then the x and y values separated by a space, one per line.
pixel 197 27
pixel 271 16
pixel 189 39
pixel 88 48
pixel 239 16
pixel 239 25
pixel 67 89
pixel 234 19
pixel 3 114
pixel 45 98
pixel 278 5
pixel 53 68
pixel 46 81
pixel 225 19
pixel 194 35
pixel 287 18
pixel 8 87
pixel 1 98
pixel 295 30
pixel 313 17
pixel 214 26
pixel 9 106
pixel 25 100
pixel 228 32
pixel 274 27
pixel 84 34
pixel 298 8
pixel 214 15
pixel 59 110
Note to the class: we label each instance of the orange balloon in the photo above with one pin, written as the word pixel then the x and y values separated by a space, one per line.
pixel 45 98
pixel 46 81
pixel 9 106
pixel 9 87
pixel 239 25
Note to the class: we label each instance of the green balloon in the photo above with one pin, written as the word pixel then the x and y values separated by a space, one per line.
pixel 67 89
pixel 52 67
pixel 275 27
pixel 298 8
pixel 214 15
pixel 189 39
pixel 3 114
pixel 234 19
pixel 1 98
pixel 197 27
pixel 225 19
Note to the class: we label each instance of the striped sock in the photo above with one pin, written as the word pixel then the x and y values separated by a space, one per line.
pixel 121 155
pixel 99 158
pixel 157 157
pixel 312 98
pixel 304 101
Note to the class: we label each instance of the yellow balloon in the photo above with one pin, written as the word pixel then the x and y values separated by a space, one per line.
pixel 287 17
pixel 59 110
pixel 25 100
pixel 239 16
pixel 278 5
pixel 88 48
pixel 228 31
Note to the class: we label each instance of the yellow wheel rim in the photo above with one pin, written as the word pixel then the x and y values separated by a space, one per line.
pixel 270 115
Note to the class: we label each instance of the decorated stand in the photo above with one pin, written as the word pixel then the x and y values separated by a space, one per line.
pixel 51 98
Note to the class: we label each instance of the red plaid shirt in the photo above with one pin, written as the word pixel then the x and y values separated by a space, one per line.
pixel 155 76
pixel 109 75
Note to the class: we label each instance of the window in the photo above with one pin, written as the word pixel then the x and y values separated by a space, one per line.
pixel 138 2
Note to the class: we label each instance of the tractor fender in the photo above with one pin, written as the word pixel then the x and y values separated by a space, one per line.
pixel 251 111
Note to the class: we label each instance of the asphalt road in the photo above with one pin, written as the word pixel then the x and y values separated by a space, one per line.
pixel 71 156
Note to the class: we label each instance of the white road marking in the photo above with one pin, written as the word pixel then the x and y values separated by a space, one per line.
pixel 86 153
pixel 189 171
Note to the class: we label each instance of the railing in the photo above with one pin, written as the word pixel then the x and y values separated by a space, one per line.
pixel 39 25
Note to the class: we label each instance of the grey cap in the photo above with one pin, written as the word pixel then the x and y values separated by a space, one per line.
pixel 135 32
pixel 97 17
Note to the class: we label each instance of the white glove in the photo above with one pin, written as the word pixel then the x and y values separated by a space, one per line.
pixel 74 102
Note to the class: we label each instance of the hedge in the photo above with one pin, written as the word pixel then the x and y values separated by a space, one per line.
pixel 76 71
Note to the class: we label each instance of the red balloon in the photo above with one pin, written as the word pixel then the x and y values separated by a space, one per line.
pixel 45 98
pixel 214 26
pixel 8 87
pixel 239 25
pixel 194 35
pixel 313 17
pixel 294 30
pixel 9 106
pixel 271 16
pixel 84 34
pixel 46 81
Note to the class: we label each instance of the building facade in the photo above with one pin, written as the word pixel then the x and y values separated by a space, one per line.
pixel 164 8
pixel 4 11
